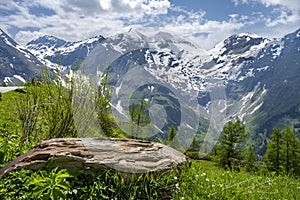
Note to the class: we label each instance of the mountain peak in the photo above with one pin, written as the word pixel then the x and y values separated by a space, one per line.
pixel 47 40
pixel 238 43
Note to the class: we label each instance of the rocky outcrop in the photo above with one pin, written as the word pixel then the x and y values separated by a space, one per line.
pixel 94 154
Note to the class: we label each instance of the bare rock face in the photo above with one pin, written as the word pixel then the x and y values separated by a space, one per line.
pixel 124 155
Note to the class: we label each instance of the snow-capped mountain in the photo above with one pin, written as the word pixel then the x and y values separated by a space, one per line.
pixel 17 64
pixel 253 77
pixel 56 51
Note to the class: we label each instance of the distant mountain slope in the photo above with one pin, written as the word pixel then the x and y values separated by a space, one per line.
pixel 17 64
pixel 57 51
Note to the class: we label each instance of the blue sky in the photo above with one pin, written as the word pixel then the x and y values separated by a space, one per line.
pixel 206 22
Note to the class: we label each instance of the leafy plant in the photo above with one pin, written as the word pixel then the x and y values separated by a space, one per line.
pixel 52 185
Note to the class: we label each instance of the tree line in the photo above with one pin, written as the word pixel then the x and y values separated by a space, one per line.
pixel 282 154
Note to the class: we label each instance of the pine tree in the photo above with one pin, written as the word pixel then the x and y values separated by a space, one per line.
pixel 289 149
pixel 250 159
pixel 172 138
pixel 297 164
pixel 232 136
pixel 138 116
pixel 172 134
pixel 272 157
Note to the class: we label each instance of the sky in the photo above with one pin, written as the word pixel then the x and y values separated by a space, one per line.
pixel 205 22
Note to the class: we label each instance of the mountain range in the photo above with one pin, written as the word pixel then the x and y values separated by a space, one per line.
pixel 245 75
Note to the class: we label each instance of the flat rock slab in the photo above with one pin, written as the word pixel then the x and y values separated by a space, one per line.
pixel 124 155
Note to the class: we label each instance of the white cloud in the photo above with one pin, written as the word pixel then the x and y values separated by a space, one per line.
pixel 284 18
pixel 290 4
pixel 76 19
pixel 238 2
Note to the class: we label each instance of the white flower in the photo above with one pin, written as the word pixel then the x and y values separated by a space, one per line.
pixel 177 185
pixel 298 188
pixel 175 178
pixel 196 176
pixel 182 198
pixel 269 182
pixel 207 180
pixel 203 174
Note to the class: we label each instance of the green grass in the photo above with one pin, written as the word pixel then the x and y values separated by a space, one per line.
pixel 9 121
pixel 204 180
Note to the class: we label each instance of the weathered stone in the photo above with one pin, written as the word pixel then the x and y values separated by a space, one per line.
pixel 124 155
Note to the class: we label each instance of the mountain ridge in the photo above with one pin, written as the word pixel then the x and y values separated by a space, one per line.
pixel 258 76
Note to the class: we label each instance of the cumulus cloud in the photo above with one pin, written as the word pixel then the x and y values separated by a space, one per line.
pixel 284 17
pixel 74 20
pixel 290 4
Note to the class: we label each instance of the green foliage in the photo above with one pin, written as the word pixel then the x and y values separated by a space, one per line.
pixel 172 138
pixel 250 159
pixel 201 180
pixel 282 154
pixel 172 133
pixel 112 185
pixel 139 117
pixel 233 135
pixel 204 180
pixel 10 128
pixel 13 186
pixel 102 99
pixel 289 149
pixel 272 157
pixel 46 109
pixel 50 185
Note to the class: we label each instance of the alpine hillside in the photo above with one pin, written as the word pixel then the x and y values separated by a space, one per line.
pixel 17 64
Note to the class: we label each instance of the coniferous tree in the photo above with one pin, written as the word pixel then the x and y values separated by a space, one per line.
pixel 139 117
pixel 172 138
pixel 297 164
pixel 232 136
pixel 250 159
pixel 172 134
pixel 272 157
pixel 289 149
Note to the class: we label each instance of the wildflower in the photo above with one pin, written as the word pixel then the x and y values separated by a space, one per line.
pixel 207 180
pixel 203 174
pixel 177 185
pixel 196 176
pixel 298 188
pixel 182 198
pixel 269 182
pixel 175 178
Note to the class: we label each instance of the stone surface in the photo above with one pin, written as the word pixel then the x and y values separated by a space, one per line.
pixel 124 155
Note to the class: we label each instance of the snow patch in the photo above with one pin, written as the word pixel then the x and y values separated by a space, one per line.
pixel 20 78
pixel 263 68
pixel 276 50
pixel 118 89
